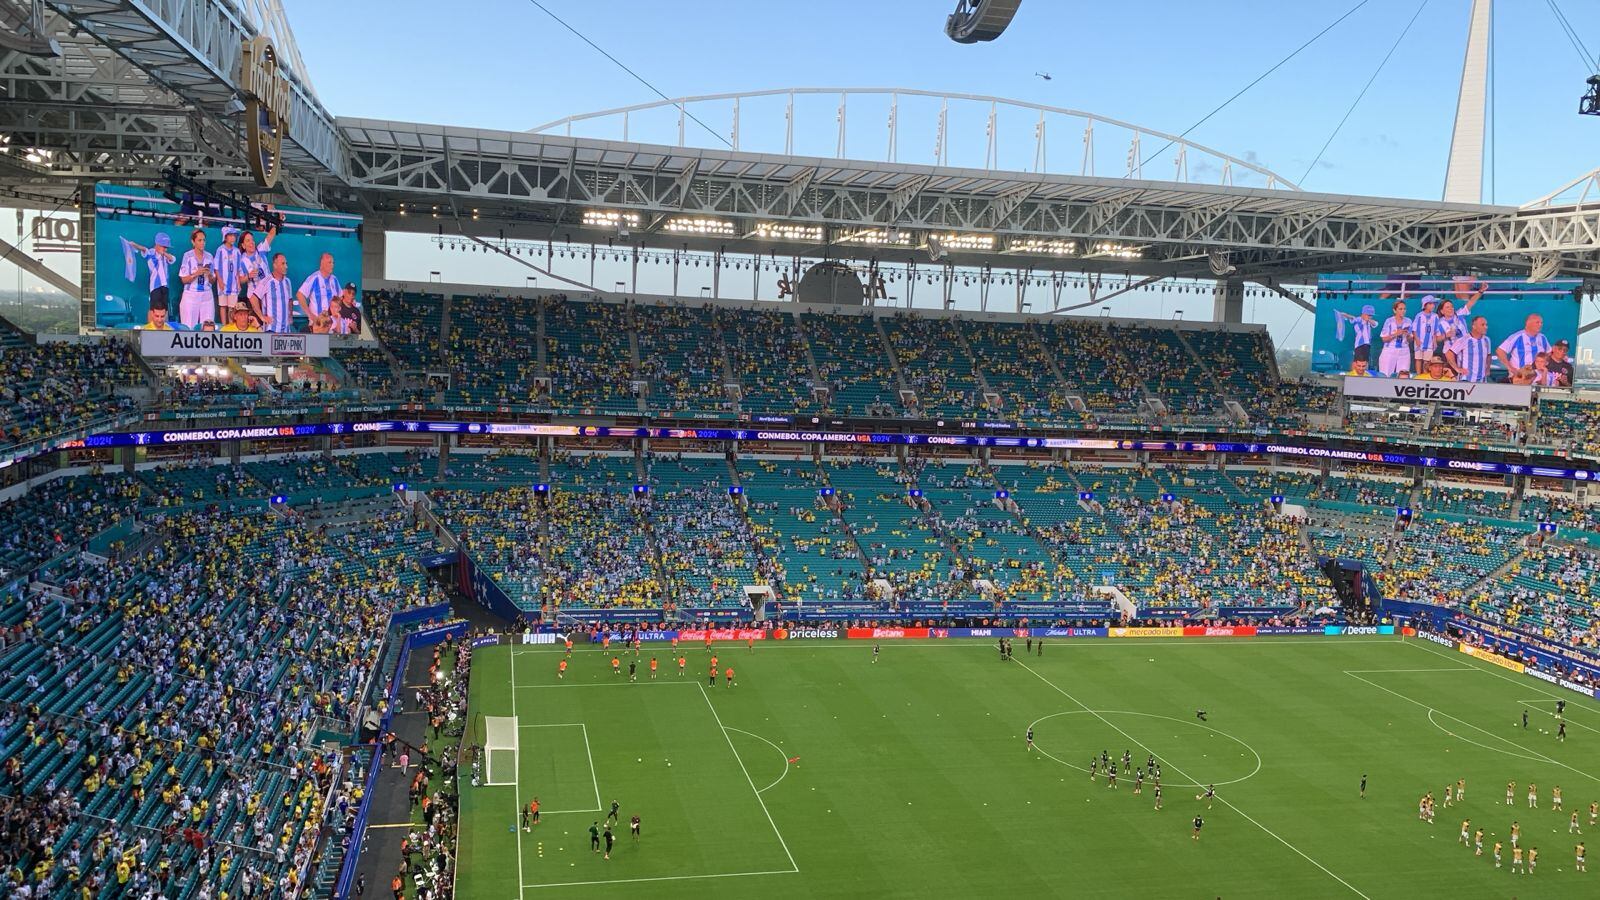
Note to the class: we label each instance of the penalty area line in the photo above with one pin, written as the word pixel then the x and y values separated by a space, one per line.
pixel 661 878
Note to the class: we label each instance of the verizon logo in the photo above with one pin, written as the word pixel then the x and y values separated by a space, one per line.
pixel 1445 393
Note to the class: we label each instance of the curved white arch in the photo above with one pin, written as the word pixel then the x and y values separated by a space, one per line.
pixel 1587 186
pixel 1273 179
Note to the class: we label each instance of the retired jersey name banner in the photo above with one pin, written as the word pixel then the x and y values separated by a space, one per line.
pixel 1456 393
pixel 233 344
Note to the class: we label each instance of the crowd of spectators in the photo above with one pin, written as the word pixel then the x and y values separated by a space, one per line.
pixel 51 387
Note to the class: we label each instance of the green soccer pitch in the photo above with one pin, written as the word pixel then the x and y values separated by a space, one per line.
pixel 913 778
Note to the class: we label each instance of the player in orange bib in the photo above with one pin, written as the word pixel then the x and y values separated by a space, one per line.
pixel 750 644
pixel 652 668
pixel 730 676
pixel 616 665
pixel 561 671
pixel 674 643
pixel 569 646
pixel 605 642
pixel 682 662
pixel 713 678
pixel 713 662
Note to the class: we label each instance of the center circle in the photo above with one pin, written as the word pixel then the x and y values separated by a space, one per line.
pixel 1107 715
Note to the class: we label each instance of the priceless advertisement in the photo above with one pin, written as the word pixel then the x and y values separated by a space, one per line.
pixel 806 634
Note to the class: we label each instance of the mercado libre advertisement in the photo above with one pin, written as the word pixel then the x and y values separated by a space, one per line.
pixel 166 263
pixel 1447 328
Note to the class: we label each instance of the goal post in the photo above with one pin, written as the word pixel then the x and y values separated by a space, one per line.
pixel 502 759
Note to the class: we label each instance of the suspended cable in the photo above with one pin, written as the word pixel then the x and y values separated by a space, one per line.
pixel 1589 62
pixel 1258 79
pixel 1364 88
pixel 636 76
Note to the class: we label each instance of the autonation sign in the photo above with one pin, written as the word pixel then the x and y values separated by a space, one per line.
pixel 1460 393
pixel 231 343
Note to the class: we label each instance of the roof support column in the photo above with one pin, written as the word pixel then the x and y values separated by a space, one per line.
pixel 1227 300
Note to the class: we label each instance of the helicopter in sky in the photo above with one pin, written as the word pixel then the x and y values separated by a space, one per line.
pixel 1045 75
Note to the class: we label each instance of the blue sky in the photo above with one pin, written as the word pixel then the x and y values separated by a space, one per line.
pixel 1161 64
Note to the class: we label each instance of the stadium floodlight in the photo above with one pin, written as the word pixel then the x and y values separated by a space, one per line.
pixel 1589 103
pixel 789 232
pixel 700 225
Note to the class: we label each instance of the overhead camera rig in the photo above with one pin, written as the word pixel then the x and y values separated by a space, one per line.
pixel 198 198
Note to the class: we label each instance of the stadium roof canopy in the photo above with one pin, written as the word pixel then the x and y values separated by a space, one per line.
pixel 123 89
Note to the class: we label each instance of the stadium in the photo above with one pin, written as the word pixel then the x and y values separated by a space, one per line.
pixel 656 499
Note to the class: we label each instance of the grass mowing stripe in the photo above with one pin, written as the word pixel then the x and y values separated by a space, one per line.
pixel 516 776
pixel 1223 800
pixel 722 728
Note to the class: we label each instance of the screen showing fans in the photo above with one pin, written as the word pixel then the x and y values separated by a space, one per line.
pixel 166 262
pixel 1447 328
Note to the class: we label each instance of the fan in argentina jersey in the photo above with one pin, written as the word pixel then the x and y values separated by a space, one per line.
pixel 274 297
pixel 1469 355
pixel 317 293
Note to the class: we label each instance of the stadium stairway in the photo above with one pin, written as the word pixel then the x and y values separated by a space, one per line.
pixel 637 362
pixel 984 390
pixel 811 358
pixel 1482 584
pixel 900 383
pixel 1204 367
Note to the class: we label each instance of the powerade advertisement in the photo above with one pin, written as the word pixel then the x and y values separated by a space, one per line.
pixel 167 263
pixel 1447 328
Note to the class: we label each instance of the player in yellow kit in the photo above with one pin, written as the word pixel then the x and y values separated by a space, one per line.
pixel 1516 861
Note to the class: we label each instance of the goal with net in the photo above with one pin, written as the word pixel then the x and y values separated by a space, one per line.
pixel 500 749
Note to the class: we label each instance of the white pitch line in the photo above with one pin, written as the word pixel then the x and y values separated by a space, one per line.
pixel 600 684
pixel 661 878
pixel 516 779
pixel 747 778
pixel 594 777
pixel 1536 755
pixel 1491 669
pixel 773 746
pixel 1569 721
pixel 552 725
pixel 857 644
pixel 1385 671
pixel 1219 797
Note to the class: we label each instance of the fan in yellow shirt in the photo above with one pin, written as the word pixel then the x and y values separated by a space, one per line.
pixel 239 320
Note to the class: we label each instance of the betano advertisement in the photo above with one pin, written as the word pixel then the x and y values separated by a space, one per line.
pixel 177 266
pixel 1447 328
